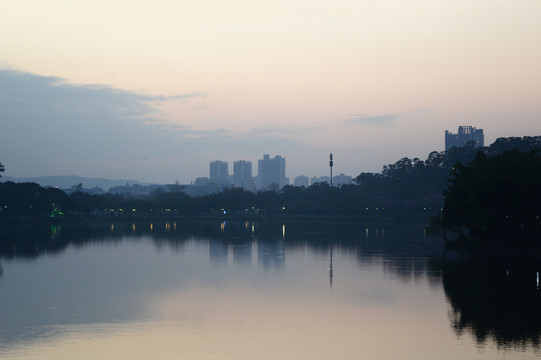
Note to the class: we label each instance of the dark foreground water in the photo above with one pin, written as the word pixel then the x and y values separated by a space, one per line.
pixel 258 290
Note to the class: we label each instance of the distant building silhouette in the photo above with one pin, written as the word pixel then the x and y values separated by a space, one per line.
pixel 339 180
pixel 201 181
pixel 242 174
pixel 219 172
pixel 301 180
pixel 272 171
pixel 465 135
pixel 320 179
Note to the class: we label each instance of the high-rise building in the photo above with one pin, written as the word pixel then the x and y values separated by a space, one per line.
pixel 219 172
pixel 465 135
pixel 339 180
pixel 242 174
pixel 301 180
pixel 271 171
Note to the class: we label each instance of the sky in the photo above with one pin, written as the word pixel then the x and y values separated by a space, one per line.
pixel 155 90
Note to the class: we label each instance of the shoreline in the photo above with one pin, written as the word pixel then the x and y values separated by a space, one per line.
pixel 421 219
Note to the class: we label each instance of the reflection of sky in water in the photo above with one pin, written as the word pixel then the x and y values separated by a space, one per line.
pixel 240 299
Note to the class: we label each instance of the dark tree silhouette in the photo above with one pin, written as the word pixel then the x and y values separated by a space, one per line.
pixel 495 198
pixel 494 299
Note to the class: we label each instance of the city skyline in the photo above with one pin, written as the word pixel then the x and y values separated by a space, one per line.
pixel 270 172
pixel 154 91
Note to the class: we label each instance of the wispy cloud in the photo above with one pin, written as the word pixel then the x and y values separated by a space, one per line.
pixel 194 94
pixel 378 120
pixel 49 125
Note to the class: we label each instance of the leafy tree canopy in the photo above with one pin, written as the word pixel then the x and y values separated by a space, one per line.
pixel 495 198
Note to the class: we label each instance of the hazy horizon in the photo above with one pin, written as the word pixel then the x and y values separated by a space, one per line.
pixel 155 91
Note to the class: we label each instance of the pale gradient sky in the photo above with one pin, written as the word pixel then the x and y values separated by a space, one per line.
pixel 153 91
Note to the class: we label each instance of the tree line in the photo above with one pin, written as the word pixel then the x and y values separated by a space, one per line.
pixel 409 187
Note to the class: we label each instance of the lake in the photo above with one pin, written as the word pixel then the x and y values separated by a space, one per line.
pixel 258 290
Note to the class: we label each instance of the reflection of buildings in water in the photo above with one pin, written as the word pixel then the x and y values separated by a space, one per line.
pixel 218 252
pixel 242 253
pixel 271 254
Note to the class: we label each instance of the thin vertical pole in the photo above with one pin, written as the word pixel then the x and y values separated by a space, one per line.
pixel 330 165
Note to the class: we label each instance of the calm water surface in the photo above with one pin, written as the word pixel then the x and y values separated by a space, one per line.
pixel 257 290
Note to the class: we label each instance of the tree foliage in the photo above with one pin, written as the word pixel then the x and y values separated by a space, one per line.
pixel 495 198
pixel 408 187
pixel 30 199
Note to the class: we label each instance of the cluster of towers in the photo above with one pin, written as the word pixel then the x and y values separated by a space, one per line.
pixel 271 172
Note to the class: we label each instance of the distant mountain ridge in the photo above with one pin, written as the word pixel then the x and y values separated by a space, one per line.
pixel 67 181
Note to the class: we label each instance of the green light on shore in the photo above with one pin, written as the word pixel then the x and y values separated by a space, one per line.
pixel 55 211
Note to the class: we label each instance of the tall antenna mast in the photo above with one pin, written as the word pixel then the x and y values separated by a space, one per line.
pixel 330 165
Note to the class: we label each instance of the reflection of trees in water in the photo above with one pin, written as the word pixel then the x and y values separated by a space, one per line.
pixel 397 246
pixel 493 300
pixel 403 250
pixel 30 241
pixel 496 300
